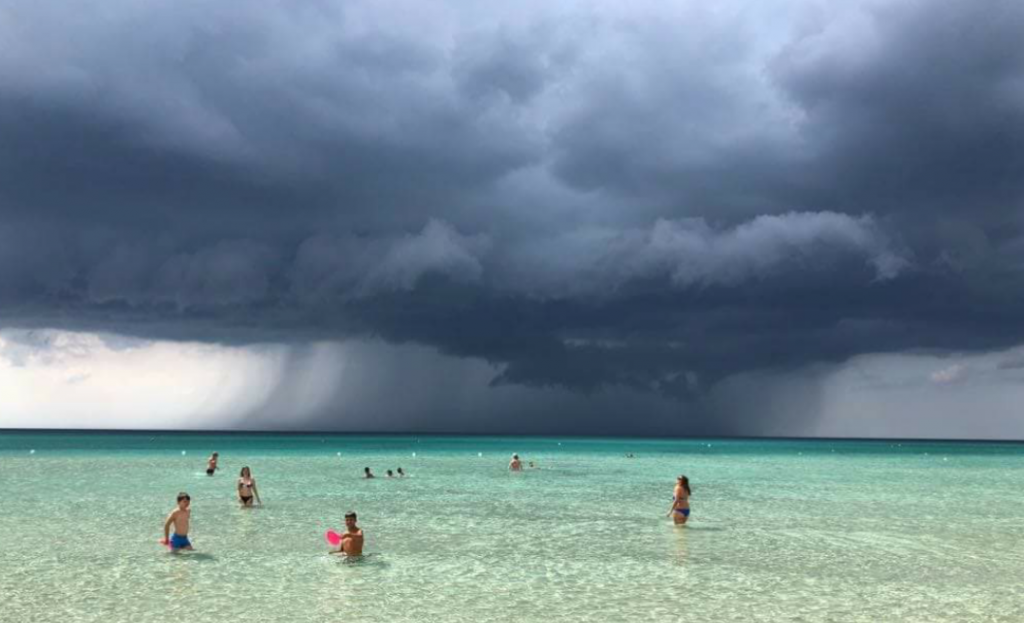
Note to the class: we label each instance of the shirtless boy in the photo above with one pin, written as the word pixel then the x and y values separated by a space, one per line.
pixel 179 518
pixel 515 465
pixel 352 539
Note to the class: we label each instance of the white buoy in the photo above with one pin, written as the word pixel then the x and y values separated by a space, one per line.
pixel 414 454
pixel 479 453
pixel 182 453
pixel 339 454
pixel 31 451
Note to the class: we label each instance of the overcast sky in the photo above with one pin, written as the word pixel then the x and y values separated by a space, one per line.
pixel 738 217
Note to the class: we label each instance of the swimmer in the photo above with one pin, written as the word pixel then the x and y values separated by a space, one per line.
pixel 400 472
pixel 247 488
pixel 515 465
pixel 179 518
pixel 532 466
pixel 680 510
pixel 211 464
pixel 352 539
pixel 367 473
pixel 389 474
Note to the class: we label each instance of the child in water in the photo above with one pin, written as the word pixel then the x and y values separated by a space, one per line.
pixel 179 518
pixel 211 464
pixel 352 539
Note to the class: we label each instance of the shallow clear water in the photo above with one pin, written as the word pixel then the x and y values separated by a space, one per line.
pixel 781 530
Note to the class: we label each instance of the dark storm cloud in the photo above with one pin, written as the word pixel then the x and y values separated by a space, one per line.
pixel 656 197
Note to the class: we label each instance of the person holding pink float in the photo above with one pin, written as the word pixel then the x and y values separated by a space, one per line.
pixel 350 542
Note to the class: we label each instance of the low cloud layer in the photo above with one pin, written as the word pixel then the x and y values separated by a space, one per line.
pixel 584 198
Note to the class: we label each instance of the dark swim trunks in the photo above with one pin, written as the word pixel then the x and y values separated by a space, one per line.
pixel 178 541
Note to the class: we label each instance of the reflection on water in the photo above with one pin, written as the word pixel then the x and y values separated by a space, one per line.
pixel 680 541
pixel 192 556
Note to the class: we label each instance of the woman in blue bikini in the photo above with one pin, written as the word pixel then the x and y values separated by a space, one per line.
pixel 680 510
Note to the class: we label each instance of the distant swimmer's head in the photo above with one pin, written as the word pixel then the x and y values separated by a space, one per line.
pixel 350 519
pixel 214 455
pixel 390 473
pixel 515 457
pixel 245 473
pixel 400 472
pixel 184 500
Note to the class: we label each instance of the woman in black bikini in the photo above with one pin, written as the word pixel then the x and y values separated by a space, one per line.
pixel 247 488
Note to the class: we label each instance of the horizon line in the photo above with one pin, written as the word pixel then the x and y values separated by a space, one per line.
pixel 470 434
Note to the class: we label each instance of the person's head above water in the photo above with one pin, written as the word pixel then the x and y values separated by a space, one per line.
pixel 214 455
pixel 245 473
pixel 685 483
pixel 184 500
pixel 390 473
pixel 400 472
pixel 350 519
pixel 515 457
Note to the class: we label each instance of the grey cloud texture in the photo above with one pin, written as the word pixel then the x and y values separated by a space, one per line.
pixel 584 195
pixel 692 253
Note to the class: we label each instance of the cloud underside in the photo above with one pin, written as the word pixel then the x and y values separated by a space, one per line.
pixel 584 196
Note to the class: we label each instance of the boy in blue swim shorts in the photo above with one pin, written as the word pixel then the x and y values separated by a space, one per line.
pixel 179 518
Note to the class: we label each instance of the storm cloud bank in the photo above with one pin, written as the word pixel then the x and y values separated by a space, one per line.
pixel 584 196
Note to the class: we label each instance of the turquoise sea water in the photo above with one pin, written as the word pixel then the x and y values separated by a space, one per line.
pixel 780 531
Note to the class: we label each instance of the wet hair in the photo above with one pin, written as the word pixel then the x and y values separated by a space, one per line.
pixel 241 474
pixel 366 469
pixel 390 473
pixel 215 454
pixel 184 496
pixel 351 514
pixel 400 471
pixel 683 480
pixel 515 456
